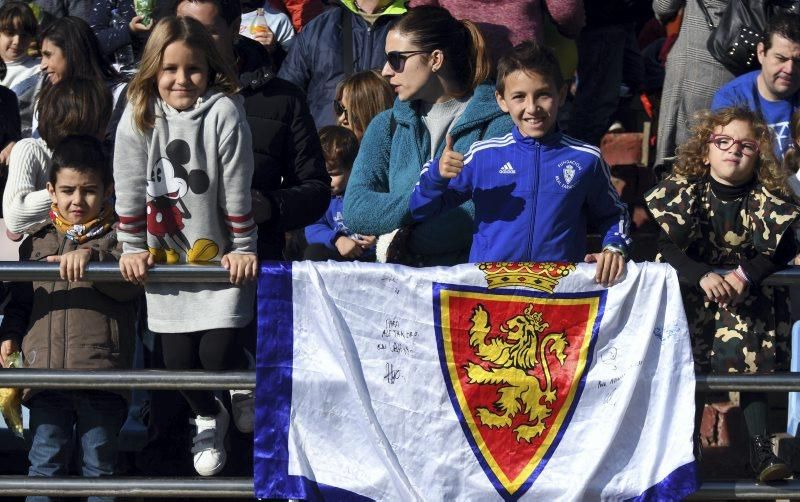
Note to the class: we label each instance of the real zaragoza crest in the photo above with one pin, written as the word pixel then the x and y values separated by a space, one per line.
pixel 514 364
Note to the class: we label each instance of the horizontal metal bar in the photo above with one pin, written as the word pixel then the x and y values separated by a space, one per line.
pixel 209 380
pixel 766 382
pixel 746 490
pixel 36 271
pixel 127 379
pixel 127 487
pixel 243 487
pixel 790 276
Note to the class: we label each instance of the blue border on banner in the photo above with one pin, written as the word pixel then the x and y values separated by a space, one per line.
pixel 437 319
pixel 274 356
pixel 678 485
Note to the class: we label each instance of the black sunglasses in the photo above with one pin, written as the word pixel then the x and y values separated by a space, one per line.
pixel 338 107
pixel 397 59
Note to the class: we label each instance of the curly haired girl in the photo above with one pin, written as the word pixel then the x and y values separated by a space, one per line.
pixel 725 207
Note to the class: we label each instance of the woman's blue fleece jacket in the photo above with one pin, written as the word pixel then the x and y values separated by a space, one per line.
pixel 533 198
pixel 388 167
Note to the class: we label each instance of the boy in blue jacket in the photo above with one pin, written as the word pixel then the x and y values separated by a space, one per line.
pixel 535 188
pixel 329 238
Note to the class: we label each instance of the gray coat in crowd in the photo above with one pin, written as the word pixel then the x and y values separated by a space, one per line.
pixel 693 75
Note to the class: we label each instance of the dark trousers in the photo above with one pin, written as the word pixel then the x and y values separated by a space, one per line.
pixel 215 350
pixel 608 56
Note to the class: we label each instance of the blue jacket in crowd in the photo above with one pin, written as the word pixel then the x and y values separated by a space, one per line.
pixel 395 147
pixel 314 62
pixel 533 198
pixel 330 226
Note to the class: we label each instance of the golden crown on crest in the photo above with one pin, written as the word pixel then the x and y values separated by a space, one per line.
pixel 542 276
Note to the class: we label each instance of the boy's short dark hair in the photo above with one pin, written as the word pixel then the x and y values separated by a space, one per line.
pixel 529 57
pixel 784 24
pixel 83 153
pixel 339 144
pixel 17 17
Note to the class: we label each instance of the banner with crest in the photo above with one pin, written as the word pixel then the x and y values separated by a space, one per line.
pixel 489 381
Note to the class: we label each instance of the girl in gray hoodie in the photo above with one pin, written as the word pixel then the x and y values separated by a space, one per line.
pixel 183 162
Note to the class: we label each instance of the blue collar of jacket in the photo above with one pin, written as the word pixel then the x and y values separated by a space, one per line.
pixel 480 109
pixel 549 140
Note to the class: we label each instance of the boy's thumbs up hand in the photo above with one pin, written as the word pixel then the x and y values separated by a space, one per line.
pixel 451 162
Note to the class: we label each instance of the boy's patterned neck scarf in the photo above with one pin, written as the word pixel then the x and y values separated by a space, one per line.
pixel 83 232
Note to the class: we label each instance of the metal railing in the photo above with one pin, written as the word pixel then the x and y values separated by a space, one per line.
pixel 202 380
pixel 207 380
pixel 145 487
pixel 36 271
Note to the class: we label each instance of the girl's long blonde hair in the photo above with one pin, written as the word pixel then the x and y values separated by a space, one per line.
pixel 692 154
pixel 143 89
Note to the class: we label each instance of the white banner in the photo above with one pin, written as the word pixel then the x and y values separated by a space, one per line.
pixel 478 382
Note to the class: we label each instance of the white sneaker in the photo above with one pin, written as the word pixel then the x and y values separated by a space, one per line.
pixel 243 408
pixel 209 442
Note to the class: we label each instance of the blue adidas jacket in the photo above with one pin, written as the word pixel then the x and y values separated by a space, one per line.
pixel 533 198
pixel 330 226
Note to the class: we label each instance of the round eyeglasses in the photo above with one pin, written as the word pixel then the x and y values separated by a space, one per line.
pixel 748 147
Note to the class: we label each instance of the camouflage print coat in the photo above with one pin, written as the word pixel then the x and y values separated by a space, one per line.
pixel 752 336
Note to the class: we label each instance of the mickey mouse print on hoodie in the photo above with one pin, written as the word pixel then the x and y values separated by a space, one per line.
pixel 167 184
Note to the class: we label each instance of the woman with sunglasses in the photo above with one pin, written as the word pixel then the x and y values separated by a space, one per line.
pixel 726 206
pixel 437 66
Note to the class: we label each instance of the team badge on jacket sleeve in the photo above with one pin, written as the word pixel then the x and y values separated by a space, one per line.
pixel 514 363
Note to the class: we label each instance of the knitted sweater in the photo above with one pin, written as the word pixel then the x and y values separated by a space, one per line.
pixel 395 147
pixel 25 199
pixel 183 193
pixel 507 23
